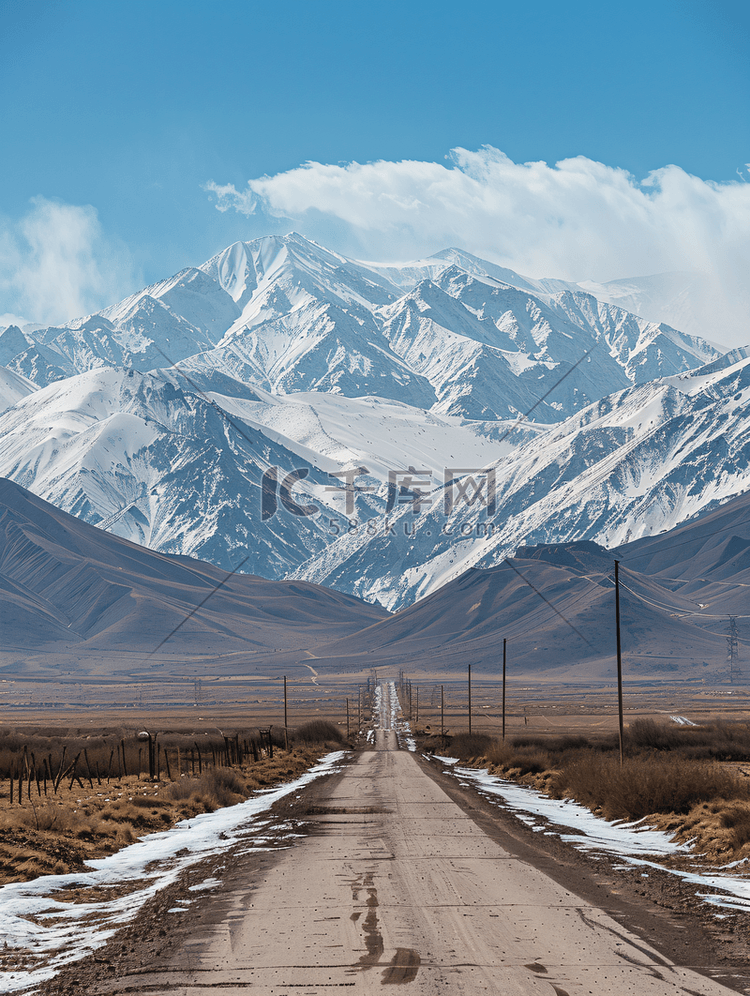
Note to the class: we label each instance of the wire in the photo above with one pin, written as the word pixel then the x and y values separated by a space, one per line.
pixel 536 590
pixel 672 609
pixel 192 613
pixel 660 577
pixel 217 408
pixel 547 393
pixel 685 525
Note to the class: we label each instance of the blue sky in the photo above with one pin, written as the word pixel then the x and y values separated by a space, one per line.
pixel 116 116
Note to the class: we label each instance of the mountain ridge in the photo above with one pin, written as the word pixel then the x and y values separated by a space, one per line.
pixel 280 360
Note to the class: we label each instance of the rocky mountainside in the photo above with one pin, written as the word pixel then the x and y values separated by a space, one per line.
pixel 631 465
pixel 554 604
pixel 79 601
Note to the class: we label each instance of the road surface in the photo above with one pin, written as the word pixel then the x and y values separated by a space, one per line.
pixel 402 888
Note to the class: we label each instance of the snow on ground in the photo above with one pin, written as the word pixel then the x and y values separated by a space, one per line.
pixel 637 845
pixel 48 932
pixel 591 833
pixel 398 722
pixel 333 431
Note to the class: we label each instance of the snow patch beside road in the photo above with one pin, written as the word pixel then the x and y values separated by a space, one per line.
pixel 636 844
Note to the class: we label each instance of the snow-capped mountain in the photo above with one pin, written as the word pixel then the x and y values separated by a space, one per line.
pixel 136 455
pixel 631 465
pixel 13 387
pixel 450 334
pixel 176 417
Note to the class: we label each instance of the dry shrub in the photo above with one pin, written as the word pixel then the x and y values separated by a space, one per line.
pixel 719 741
pixel 466 746
pixel 529 740
pixel 643 785
pixel 737 818
pixel 48 816
pixel 568 742
pixel 500 754
pixel 648 734
pixel 531 762
pixel 147 802
pixel 318 731
pixel 278 738
pixel 215 788
pixel 184 788
pixel 529 759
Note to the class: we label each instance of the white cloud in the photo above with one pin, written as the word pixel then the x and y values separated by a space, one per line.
pixel 578 220
pixel 55 263
pixel 9 318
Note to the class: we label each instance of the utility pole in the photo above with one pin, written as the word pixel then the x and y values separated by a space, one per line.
pixel 442 715
pixel 359 708
pixel 504 643
pixel 733 649
pixel 286 719
pixel 347 719
pixel 417 717
pixel 619 661
pixel 469 698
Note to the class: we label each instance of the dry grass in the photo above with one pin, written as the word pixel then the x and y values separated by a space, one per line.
pixel 318 731
pixel 645 784
pixel 57 833
pixel 467 746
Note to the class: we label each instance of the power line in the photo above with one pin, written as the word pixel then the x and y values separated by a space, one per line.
pixel 682 615
pixel 696 539
pixel 673 609
pixel 192 613
pixel 536 591
pixel 660 577
pixel 547 393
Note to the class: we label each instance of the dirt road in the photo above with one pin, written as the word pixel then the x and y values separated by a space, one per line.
pixel 403 888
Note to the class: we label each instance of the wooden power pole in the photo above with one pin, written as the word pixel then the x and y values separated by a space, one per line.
pixel 619 660
pixel 442 715
pixel 504 645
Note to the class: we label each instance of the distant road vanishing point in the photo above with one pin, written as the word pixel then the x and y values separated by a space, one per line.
pixel 400 887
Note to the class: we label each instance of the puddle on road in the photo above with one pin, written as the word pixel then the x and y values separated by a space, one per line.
pixel 405 963
pixel 373 937
pixel 403 967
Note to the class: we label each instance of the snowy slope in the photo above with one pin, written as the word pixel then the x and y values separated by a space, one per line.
pixel 13 387
pixel 157 461
pixel 338 433
pixel 631 465
pixel 333 366
pixel 452 333
pixel 162 467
